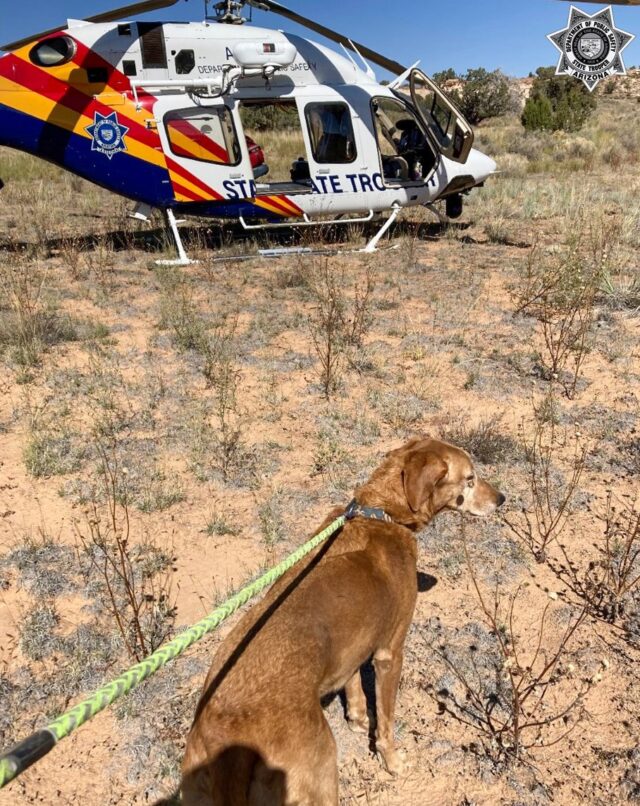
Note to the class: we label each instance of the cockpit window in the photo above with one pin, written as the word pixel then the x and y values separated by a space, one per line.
pixel 53 52
pixel 331 132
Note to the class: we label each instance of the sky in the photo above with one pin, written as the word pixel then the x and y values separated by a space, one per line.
pixel 505 34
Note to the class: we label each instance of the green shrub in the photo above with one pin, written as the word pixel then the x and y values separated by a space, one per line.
pixel 538 114
pixel 485 95
pixel 557 103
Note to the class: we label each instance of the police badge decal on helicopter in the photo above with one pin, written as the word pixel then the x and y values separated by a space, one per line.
pixel 590 46
pixel 108 135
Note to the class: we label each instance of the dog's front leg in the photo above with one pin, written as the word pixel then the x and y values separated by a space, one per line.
pixel 356 704
pixel 388 666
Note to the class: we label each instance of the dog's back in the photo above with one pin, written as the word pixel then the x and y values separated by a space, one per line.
pixel 260 736
pixel 259 720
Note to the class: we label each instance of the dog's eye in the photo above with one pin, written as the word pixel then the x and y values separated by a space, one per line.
pixel 470 481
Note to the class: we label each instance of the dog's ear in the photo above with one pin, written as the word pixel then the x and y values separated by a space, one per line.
pixel 422 472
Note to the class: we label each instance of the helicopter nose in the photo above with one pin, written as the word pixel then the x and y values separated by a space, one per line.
pixel 480 165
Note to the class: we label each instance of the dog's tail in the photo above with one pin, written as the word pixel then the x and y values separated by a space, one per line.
pixel 238 776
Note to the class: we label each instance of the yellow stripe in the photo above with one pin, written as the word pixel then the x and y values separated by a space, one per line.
pixel 50 111
pixel 181 197
pixel 267 205
pixel 180 180
pixel 288 205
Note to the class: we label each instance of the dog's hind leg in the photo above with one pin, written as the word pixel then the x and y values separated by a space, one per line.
pixel 312 778
pixel 356 704
pixel 388 666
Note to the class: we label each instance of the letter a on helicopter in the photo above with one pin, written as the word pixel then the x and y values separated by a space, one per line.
pixel 161 113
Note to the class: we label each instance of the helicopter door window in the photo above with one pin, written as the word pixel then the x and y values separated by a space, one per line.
pixel 446 123
pixel 405 151
pixel 204 134
pixel 331 133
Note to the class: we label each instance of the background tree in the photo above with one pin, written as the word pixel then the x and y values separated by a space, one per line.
pixel 557 103
pixel 442 76
pixel 485 95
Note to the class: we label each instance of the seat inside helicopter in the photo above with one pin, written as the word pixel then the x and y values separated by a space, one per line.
pixel 406 153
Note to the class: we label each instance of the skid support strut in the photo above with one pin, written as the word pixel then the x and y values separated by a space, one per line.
pixel 182 259
pixel 373 243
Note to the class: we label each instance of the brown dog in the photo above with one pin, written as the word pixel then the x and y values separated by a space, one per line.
pixel 260 736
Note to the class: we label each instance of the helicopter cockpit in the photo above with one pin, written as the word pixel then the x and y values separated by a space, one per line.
pixel 406 153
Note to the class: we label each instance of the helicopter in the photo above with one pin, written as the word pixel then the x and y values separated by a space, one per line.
pixel 155 112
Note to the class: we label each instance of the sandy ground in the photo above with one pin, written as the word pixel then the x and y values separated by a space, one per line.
pixel 203 389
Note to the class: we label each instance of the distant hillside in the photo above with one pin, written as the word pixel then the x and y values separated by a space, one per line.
pixel 616 87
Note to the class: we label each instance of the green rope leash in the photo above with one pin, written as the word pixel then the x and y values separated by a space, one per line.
pixel 34 747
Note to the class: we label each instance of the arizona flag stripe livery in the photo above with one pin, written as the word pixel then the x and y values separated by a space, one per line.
pixel 98 131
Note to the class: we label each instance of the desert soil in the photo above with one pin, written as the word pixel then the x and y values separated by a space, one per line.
pixel 200 391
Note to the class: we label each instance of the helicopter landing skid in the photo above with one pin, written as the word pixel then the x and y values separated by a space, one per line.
pixel 371 246
pixel 300 251
pixel 183 259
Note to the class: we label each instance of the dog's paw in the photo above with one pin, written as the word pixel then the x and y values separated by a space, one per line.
pixel 393 761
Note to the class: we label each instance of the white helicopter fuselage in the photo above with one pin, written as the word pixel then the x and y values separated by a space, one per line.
pixel 153 112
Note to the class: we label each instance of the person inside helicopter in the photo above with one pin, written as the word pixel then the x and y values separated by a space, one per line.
pixel 411 146
pixel 405 150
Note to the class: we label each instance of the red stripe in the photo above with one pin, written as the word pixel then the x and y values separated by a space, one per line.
pixel 183 191
pixel 62 93
pixel 174 166
pixel 274 201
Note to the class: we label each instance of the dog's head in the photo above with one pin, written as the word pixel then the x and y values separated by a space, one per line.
pixel 425 476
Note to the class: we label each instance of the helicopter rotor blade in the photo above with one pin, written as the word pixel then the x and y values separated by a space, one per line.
pixel 106 16
pixel 615 2
pixel 382 61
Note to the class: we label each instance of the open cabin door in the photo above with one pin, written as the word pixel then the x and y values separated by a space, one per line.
pixel 445 122
pixel 206 159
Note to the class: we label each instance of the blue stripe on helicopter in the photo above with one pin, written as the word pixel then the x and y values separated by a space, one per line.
pixel 227 209
pixel 129 176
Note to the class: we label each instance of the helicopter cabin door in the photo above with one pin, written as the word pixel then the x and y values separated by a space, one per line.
pixel 205 157
pixel 445 123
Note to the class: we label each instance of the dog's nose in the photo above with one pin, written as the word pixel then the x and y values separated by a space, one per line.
pixel 501 500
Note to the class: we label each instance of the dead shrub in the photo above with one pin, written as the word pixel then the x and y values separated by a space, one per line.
pixel 134 576
pixel 560 290
pixel 551 492
pixel 525 693
pixel 486 441
pixel 611 578
pixel 29 320
pixel 338 324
